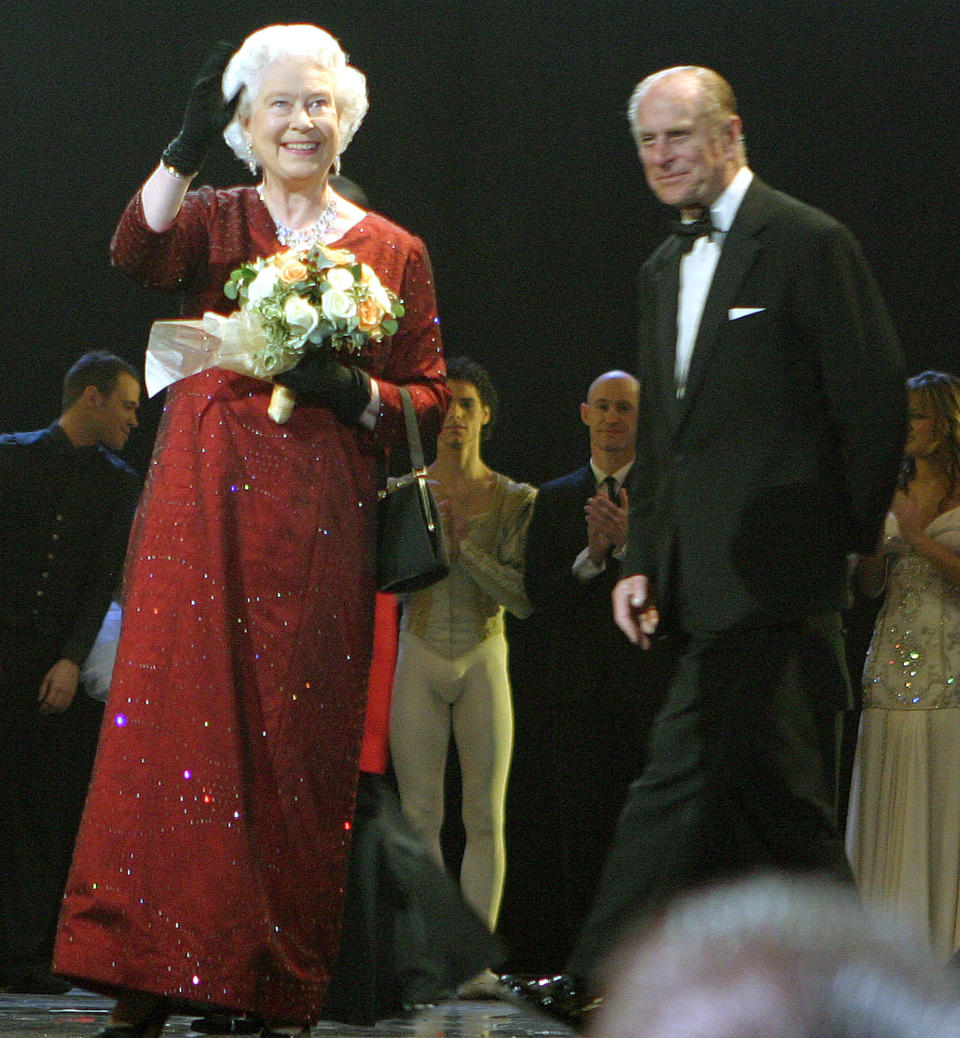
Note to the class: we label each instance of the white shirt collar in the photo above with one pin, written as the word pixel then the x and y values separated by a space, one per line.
pixel 724 209
pixel 620 475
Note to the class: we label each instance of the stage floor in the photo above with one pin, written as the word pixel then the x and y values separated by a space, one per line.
pixel 79 1014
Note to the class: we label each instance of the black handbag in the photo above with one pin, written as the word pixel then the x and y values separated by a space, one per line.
pixel 411 548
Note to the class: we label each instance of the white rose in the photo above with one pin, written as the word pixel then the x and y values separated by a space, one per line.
pixel 337 305
pixel 339 277
pixel 263 284
pixel 300 316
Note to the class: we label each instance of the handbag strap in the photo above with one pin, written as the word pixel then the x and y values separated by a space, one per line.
pixel 416 457
pixel 413 432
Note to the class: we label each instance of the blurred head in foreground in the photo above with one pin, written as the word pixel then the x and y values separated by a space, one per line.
pixel 772 957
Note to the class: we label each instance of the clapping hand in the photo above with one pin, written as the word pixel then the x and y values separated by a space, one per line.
pixel 909 516
pixel 606 524
pixel 454 523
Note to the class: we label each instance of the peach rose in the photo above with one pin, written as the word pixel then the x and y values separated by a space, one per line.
pixel 370 313
pixel 291 269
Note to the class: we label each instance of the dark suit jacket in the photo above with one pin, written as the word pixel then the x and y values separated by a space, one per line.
pixel 781 456
pixel 584 701
pixel 65 515
pixel 588 649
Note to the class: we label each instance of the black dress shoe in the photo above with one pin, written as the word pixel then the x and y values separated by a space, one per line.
pixel 564 998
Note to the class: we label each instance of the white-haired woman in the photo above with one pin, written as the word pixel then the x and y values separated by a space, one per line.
pixel 212 856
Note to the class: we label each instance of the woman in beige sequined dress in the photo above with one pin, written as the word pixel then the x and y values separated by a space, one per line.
pixel 903 827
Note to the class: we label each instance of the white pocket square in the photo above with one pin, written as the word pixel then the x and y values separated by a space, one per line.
pixel 737 312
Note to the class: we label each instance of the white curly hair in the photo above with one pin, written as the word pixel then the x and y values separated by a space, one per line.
pixel 246 69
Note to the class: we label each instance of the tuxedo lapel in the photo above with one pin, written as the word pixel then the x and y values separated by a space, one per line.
pixel 665 274
pixel 737 256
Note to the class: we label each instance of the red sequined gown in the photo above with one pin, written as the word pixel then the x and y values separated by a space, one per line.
pixel 211 859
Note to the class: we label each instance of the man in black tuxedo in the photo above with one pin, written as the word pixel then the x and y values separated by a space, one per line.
pixel 587 725
pixel 769 439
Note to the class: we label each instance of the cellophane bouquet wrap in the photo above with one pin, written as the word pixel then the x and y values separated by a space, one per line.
pixel 289 303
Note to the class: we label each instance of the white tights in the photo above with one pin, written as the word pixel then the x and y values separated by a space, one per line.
pixel 470 696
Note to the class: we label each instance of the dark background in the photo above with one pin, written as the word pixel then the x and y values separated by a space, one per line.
pixel 496 131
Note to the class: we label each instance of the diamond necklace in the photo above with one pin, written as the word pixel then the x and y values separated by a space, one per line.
pixel 308 237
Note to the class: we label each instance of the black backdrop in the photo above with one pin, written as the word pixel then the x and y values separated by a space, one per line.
pixel 497 132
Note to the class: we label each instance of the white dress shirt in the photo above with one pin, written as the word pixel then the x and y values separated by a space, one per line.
pixel 696 272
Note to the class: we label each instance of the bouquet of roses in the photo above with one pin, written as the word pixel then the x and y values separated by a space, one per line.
pixel 290 303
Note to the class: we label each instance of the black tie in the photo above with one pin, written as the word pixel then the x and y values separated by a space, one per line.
pixel 687 233
pixel 610 485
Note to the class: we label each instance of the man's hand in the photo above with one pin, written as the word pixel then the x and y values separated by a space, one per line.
pixel 634 609
pixel 606 524
pixel 58 687
pixel 454 523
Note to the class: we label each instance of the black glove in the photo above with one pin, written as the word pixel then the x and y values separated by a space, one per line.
pixel 206 115
pixel 319 380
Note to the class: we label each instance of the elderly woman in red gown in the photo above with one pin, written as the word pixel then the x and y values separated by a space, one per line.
pixel 211 860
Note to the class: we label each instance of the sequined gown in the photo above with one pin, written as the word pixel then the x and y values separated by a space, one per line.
pixel 903 827
pixel 211 859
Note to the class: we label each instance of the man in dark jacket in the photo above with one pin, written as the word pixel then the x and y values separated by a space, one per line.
pixel 585 708
pixel 66 504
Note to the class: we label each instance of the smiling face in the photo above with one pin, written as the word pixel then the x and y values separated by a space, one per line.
pixel 293 124
pixel 114 416
pixel 610 413
pixel 688 158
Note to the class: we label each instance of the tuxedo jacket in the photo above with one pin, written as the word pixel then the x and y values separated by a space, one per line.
pixel 588 651
pixel 781 455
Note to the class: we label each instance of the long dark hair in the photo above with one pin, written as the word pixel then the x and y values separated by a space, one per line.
pixel 939 393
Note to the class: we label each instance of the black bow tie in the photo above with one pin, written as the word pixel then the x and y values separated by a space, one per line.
pixel 687 233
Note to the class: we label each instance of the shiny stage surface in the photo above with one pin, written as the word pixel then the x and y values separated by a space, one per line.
pixel 79 1014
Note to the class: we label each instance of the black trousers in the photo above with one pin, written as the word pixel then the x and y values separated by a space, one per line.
pixel 45 766
pixel 741 775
